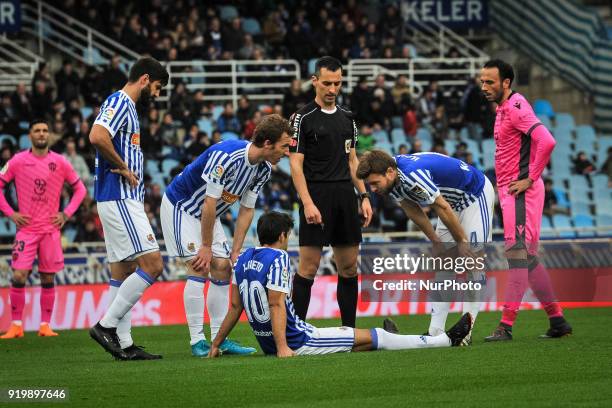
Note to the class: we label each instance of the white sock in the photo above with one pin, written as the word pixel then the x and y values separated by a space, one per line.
pixel 439 313
pixel 193 299
pixel 124 328
pixel 472 308
pixel 390 341
pixel 217 303
pixel 129 293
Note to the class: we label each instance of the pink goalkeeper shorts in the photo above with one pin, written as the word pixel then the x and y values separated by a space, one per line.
pixel 48 247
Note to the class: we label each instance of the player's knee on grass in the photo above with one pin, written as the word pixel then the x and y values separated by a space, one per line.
pixel 152 264
pixel 363 340
pixel 310 257
pixel 20 276
pixel 47 278
pixel 220 269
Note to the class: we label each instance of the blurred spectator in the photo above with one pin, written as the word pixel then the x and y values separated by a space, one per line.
pixel 274 28
pixel 417 147
pixel 180 103
pixel 169 132
pixel 233 36
pixel 400 92
pixel 550 200
pixel 67 82
pixel 247 47
pixel 113 78
pixel 42 100
pixel 403 149
pixel 461 151
pixel 426 107
pixel 8 116
pixel 293 99
pixel 133 36
pixel 198 143
pixel 78 162
pixel 582 165
pixel 227 121
pixel 410 121
pixel 20 101
pixel 606 168
pixel 251 124
pixel 366 139
pixel 475 107
pixel 360 100
pixel 245 110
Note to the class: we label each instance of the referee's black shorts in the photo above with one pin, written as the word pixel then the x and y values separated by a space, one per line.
pixel 338 205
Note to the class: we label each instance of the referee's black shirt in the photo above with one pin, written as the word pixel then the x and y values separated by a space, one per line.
pixel 326 139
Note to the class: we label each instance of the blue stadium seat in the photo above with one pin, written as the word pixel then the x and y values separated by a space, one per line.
pixel 563 221
pixel 580 207
pixel 603 201
pixel 251 26
pixel 423 134
pixel 398 135
pixel 547 231
pixel 582 221
pixel 227 13
pixel 96 56
pixel 159 178
pixel 152 166
pixel 426 145
pixel 380 136
pixel 397 145
pixel 24 125
pixel 69 233
pixel 488 153
pixel 385 146
pixel 562 135
pixel 169 164
pixel 545 120
pixel 311 66
pixel 7 228
pixel 562 200
pixel 585 134
pixel 449 146
pixel 217 110
pixel 600 182
pixel 11 138
pixel 397 122
pixel 603 143
pixel 229 136
pixel 86 111
pixel 284 165
pixel 565 120
pixel 24 142
pixel 543 107
pixel 563 153
pixel 603 220
pixel 205 125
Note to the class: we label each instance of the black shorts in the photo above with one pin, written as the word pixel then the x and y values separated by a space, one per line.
pixel 339 208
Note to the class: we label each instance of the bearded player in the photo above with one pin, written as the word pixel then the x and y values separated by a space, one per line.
pixel 39 176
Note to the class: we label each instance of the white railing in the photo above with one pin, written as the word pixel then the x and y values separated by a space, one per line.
pixel 419 71
pixel 223 81
pixel 56 28
pixel 17 64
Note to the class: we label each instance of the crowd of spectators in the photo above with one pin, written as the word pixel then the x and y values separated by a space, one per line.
pixel 70 97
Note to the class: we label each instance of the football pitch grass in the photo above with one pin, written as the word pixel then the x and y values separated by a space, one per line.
pixel 573 371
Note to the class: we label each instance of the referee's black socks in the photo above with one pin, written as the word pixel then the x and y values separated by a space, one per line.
pixel 347 293
pixel 301 295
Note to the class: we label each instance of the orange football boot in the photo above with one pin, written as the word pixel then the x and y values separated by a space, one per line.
pixel 14 332
pixel 45 331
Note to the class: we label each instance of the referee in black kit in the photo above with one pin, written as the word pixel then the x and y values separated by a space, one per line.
pixel 323 166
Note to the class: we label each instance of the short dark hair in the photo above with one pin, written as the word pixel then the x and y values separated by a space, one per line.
pixel 374 162
pixel 271 128
pixel 327 62
pixel 149 66
pixel 271 225
pixel 37 121
pixel 505 69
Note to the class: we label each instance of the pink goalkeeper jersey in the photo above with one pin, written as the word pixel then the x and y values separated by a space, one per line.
pixel 522 144
pixel 39 182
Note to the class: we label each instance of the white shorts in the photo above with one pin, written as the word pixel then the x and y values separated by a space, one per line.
pixel 127 231
pixel 476 220
pixel 328 340
pixel 183 233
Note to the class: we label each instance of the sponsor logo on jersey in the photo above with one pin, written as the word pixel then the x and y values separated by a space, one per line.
pixel 218 171
pixel 418 192
pixel 151 238
pixel 285 274
pixel 40 186
pixel 5 168
pixel 229 197
pixel 52 166
pixel 108 114
pixel 136 139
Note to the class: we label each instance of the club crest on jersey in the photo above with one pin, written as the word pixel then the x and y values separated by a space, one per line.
pixel 218 171
pixel 150 238
pixel 419 192
pixel 229 197
pixel 136 139
pixel 285 274
pixel 52 166
pixel 347 145
pixel 108 114
pixel 4 169
pixel 191 247
pixel 517 105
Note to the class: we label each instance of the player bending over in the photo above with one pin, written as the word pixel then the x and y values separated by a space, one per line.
pixel 261 284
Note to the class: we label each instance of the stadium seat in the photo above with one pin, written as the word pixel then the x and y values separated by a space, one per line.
pixel 397 122
pixel 205 125
pixel 564 120
pixel 543 107
pixel 217 110
pixel 488 153
pixel 69 234
pixel 284 166
pixel 563 221
pixel 11 138
pixel 24 125
pixel 603 220
pixel 449 146
pixel 381 136
pixel 603 201
pixel 426 145
pixel 227 13
pixel 545 120
pixel 582 221
pixel 24 142
pixel 585 134
pixel 385 146
pixel 562 135
pixel 397 145
pixel 86 112
pixel 152 167
pixel 600 182
pixel 398 136
pixel 96 56
pixel 229 136
pixel 603 144
pixel 169 164
pixel 311 65
pixel 424 134
pixel 547 231
pixel 561 197
pixel 563 152
pixel 7 228
pixel 251 26
pixel 580 207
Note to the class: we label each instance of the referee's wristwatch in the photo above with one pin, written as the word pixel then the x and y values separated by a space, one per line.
pixel 363 196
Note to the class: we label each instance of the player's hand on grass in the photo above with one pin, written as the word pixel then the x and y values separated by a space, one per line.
pixel 58 220
pixel 128 175
pixel 312 214
pixel 366 210
pixel 202 260
pixel 285 352
pixel 518 186
pixel 214 352
pixel 20 219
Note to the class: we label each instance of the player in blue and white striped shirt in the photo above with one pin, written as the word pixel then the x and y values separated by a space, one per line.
pixel 261 286
pixel 130 242
pixel 461 195
pixel 225 173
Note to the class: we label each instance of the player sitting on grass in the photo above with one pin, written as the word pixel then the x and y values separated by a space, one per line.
pixel 261 284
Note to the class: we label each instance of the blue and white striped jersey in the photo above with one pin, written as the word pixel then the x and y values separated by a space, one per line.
pixel 425 176
pixel 258 270
pixel 118 116
pixel 223 172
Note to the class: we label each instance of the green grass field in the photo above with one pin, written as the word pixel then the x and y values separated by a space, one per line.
pixel 574 371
